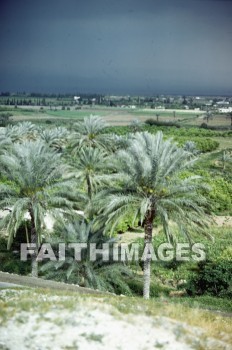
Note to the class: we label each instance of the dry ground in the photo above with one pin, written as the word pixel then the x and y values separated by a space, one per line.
pixel 131 236
pixel 36 320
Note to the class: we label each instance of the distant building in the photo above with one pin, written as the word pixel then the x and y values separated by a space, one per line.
pixel 222 103
pixel 76 99
pixel 225 110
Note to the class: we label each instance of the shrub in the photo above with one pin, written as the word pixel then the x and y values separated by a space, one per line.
pixel 125 225
pixel 5 119
pixel 220 194
pixel 202 144
pixel 10 260
pixel 204 126
pixel 206 145
pixel 212 278
pixel 152 121
pixel 156 290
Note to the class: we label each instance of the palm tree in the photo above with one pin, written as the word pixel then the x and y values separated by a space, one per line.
pixel 93 169
pixel 225 158
pixel 5 142
pixel 97 274
pixel 152 187
pixel 89 133
pixel 190 147
pixel 4 119
pixel 37 183
pixel 136 125
pixel 208 116
pixel 21 132
pixel 230 117
pixel 55 138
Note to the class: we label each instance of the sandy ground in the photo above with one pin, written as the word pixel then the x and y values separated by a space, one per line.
pixel 131 236
pixel 223 221
pixel 94 326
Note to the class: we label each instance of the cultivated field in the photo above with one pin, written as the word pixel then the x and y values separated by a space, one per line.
pixel 113 115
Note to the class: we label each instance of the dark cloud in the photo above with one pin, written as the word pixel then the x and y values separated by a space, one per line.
pixel 125 45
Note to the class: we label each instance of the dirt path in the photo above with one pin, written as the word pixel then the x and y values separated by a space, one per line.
pixel 41 283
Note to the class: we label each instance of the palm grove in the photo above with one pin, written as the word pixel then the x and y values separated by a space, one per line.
pixel 88 181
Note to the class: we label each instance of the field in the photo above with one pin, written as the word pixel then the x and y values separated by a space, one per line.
pixel 112 115
pixel 82 304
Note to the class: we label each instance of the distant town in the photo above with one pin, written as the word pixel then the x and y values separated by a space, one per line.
pixel 220 104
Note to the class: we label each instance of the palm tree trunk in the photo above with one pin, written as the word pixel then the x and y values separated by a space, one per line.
pixel 34 240
pixel 89 186
pixel 148 226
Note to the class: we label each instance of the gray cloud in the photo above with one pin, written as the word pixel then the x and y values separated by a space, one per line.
pixel 129 46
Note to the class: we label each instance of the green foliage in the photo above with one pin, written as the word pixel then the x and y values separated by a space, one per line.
pixel 204 126
pixel 149 173
pixel 212 278
pixel 126 224
pixel 206 144
pixel 156 289
pixel 55 137
pixel 122 226
pixel 92 169
pixel 152 121
pixel 205 302
pixel 220 194
pixel 89 132
pixel 189 133
pixel 202 144
pixel 37 185
pixel 4 119
pixel 10 260
pixel 107 276
pixel 19 184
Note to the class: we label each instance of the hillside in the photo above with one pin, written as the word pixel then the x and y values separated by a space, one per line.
pixel 63 319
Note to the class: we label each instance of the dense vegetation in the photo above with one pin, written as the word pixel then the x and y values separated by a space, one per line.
pixel 97 181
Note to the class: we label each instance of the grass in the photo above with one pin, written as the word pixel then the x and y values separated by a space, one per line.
pixel 224 143
pixel 93 337
pixel 113 115
pixel 36 112
pixel 212 323
pixel 74 114
pixel 206 302
pixel 167 112
pixel 218 120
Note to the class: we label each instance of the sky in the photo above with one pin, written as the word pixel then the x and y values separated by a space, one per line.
pixel 145 47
